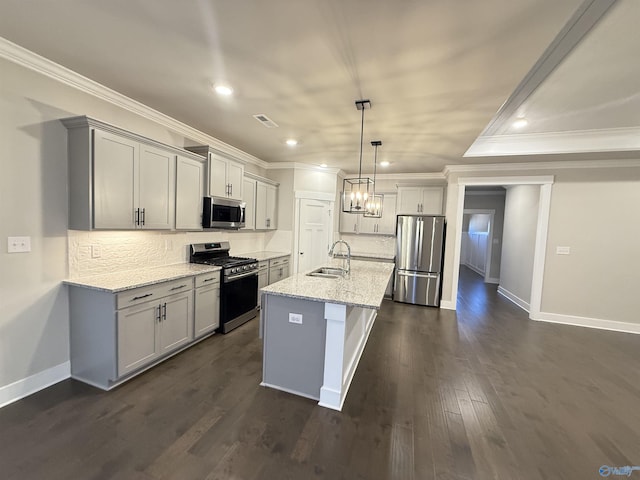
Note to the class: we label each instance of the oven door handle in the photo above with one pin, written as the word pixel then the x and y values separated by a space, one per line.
pixel 241 275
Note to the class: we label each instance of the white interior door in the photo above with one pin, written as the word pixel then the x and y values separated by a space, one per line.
pixel 314 225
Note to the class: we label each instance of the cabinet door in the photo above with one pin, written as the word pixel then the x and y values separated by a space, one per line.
pixel 249 198
pixel 261 206
pixel 115 175
pixel 432 200
pixel 263 278
pixel 272 193
pixel 217 176
pixel 137 340
pixel 409 200
pixel 175 326
pixel 235 177
pixel 207 310
pixel 156 187
pixel 348 222
pixel 366 224
pixel 387 224
pixel 189 193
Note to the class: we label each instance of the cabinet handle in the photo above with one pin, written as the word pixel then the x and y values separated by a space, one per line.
pixel 141 296
pixel 159 318
pixel 137 221
pixel 164 311
pixel 178 287
pixel 354 227
pixel 142 216
pixel 208 279
pixel 231 189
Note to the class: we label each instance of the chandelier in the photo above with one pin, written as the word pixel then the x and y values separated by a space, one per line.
pixel 357 191
pixel 373 207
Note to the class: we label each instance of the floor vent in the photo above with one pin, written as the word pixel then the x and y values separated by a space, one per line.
pixel 266 121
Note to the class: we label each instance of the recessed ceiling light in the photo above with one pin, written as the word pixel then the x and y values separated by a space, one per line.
pixel 292 142
pixel 223 90
pixel 323 165
pixel 384 163
pixel 520 123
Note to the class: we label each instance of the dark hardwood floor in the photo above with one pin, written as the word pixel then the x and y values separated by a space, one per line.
pixel 482 393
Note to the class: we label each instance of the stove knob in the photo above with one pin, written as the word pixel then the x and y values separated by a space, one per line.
pixel 234 270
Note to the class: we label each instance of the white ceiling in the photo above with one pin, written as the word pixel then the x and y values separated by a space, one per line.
pixel 435 71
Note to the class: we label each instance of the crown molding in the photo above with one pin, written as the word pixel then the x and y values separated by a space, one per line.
pixel 253 176
pixel 411 176
pixel 39 64
pixel 301 166
pixel 560 165
pixel 578 141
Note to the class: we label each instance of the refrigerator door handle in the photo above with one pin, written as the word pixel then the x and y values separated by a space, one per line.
pixel 416 274
pixel 420 241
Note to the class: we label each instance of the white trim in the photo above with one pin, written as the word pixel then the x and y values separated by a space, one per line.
pixel 26 386
pixel 577 141
pixel 253 176
pixel 540 252
pixel 411 177
pixel 587 322
pixel 28 59
pixel 323 197
pixel 301 166
pixel 562 165
pixel 447 305
pixel 514 298
pixel 507 180
pixel 492 280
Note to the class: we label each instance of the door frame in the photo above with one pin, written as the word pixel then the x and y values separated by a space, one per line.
pixel 489 248
pixel 544 207
pixel 306 195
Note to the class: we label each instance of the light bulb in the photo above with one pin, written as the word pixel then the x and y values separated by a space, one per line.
pixel 358 196
pixel 366 195
pixel 353 195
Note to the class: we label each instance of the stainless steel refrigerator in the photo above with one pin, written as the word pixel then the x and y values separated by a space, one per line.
pixel 419 256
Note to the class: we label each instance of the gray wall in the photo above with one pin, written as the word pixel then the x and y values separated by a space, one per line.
pixel 519 240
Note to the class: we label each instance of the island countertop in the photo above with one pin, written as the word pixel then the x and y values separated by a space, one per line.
pixel 364 286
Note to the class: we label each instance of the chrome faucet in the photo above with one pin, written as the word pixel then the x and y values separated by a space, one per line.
pixel 348 253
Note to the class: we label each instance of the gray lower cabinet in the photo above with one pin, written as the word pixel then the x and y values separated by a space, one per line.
pixel 263 274
pixel 206 303
pixel 278 269
pixel 113 336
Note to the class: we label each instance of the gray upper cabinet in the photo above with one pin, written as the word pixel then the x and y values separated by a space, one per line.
pixel 225 176
pixel 261 198
pixel 189 193
pixel 119 180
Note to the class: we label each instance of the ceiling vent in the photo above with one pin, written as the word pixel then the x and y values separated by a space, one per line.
pixel 266 121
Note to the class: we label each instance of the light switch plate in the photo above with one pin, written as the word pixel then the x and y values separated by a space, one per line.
pixel 563 250
pixel 96 251
pixel 18 244
pixel 295 318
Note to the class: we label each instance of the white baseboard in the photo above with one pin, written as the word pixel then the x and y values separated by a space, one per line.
pixel 493 280
pixel 477 270
pixel 588 322
pixel 514 298
pixel 448 304
pixel 25 387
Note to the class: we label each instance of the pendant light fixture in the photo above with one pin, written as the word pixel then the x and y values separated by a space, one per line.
pixel 374 204
pixel 356 191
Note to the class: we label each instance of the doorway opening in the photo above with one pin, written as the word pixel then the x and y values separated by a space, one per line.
pixel 524 275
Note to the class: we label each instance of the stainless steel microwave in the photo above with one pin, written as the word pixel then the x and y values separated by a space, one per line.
pixel 222 213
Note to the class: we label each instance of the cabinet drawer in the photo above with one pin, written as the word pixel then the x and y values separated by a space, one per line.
pixel 152 292
pixel 208 279
pixel 278 261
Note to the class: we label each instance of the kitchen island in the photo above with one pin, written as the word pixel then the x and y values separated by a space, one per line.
pixel 315 329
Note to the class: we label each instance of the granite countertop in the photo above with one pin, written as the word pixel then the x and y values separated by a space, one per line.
pixel 264 255
pixel 363 287
pixel 126 280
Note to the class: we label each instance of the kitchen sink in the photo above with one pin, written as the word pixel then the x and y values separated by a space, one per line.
pixel 327 272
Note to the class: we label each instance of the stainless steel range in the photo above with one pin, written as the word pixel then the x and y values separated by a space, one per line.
pixel 238 286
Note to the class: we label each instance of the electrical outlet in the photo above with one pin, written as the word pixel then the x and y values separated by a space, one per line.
pixel 96 251
pixel 563 250
pixel 18 244
pixel 295 318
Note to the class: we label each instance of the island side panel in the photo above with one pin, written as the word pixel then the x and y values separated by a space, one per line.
pixel 293 353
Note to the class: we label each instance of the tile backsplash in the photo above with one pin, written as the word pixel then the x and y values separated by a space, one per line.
pixel 372 244
pixel 95 253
